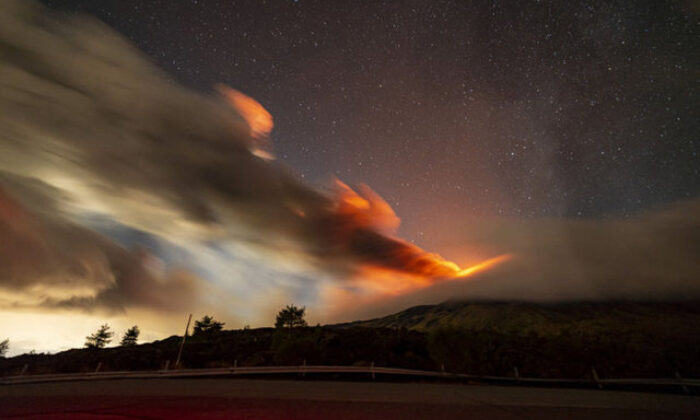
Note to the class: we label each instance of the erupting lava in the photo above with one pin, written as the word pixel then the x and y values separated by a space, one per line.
pixel 484 265
pixel 393 264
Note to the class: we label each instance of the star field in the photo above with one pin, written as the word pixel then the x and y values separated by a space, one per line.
pixel 537 109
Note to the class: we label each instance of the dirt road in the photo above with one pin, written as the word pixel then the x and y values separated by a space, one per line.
pixel 288 399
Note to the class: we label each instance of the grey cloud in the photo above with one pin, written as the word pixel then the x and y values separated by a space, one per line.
pixel 47 261
pixel 78 102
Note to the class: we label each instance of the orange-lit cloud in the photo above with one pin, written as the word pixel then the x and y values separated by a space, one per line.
pixel 255 115
pixel 259 120
pixel 393 264
pixel 365 210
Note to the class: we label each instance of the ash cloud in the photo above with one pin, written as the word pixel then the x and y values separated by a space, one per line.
pixel 86 116
pixel 85 111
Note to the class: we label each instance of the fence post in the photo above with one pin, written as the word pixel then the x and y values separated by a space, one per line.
pixel 99 365
pixel 372 370
pixel 442 369
pixel 167 365
pixel 182 343
pixel 517 374
pixel 24 369
pixel 596 378
pixel 679 379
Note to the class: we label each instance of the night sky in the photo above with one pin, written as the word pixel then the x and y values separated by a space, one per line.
pixel 532 151
pixel 577 109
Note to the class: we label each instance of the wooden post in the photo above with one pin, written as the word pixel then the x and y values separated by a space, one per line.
pixel 24 369
pixel 167 365
pixel 442 369
pixel 99 365
pixel 685 388
pixel 182 343
pixel 596 378
pixel 517 374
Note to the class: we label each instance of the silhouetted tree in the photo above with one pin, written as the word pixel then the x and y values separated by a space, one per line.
pixel 4 345
pixel 207 326
pixel 131 336
pixel 291 317
pixel 99 339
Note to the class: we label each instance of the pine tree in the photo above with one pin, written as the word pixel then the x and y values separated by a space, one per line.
pixel 99 339
pixel 291 317
pixel 131 336
pixel 207 326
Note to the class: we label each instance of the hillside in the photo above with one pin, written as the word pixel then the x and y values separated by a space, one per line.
pixel 524 319
pixel 620 339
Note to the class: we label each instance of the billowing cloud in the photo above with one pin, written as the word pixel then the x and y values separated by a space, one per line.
pixel 85 112
pixel 50 262
pixel 104 131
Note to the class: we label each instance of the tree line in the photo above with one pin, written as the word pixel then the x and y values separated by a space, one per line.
pixel 288 318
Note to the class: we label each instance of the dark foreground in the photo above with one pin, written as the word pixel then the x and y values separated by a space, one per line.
pixel 566 340
pixel 278 399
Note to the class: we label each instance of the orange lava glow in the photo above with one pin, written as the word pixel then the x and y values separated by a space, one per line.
pixel 393 282
pixel 390 264
pixel 482 266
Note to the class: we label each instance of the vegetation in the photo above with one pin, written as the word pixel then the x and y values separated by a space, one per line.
pixel 556 341
pixel 291 317
pixel 4 346
pixel 289 344
pixel 99 339
pixel 207 326
pixel 131 336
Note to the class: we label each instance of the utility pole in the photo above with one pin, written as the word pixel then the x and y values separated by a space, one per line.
pixel 182 343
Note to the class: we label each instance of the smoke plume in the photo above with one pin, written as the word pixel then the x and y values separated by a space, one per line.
pixel 97 128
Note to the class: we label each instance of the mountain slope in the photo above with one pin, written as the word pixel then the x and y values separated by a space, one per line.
pixel 522 319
